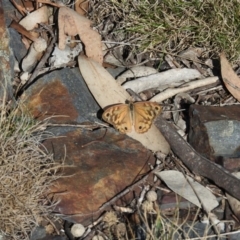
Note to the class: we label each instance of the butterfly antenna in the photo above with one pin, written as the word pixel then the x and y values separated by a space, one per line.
pixel 136 97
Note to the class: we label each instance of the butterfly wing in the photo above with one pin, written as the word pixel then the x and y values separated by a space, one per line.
pixel 119 116
pixel 143 115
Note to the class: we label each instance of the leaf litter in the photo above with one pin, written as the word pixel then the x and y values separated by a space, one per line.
pixel 197 79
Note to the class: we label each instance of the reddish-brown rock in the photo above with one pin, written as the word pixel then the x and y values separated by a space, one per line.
pixel 97 167
pixel 97 164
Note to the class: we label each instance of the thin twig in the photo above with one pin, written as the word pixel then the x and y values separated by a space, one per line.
pixel 73 125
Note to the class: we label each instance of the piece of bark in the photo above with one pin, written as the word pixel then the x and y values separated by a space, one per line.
pixel 197 163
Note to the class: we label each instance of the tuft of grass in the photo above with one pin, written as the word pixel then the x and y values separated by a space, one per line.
pixel 170 26
pixel 26 173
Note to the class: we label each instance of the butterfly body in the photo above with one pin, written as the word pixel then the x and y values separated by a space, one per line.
pixel 126 117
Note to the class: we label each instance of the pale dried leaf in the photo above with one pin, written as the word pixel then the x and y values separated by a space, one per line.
pixel 41 15
pixel 177 182
pixel 107 92
pixel 71 23
pixel 230 78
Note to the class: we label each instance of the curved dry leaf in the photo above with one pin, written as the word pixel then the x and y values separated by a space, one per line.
pixel 81 7
pixel 177 182
pixel 230 78
pixel 71 23
pixel 41 15
pixel 107 92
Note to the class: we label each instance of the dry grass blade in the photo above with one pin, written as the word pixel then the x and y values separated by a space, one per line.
pixel 26 172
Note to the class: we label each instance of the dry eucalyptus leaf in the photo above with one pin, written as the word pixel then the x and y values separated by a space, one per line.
pixel 177 182
pixel 107 92
pixel 230 78
pixel 70 23
pixel 41 15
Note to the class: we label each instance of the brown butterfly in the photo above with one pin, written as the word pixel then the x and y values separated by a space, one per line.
pixel 139 115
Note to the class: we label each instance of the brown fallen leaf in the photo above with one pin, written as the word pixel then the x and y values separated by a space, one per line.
pixel 230 78
pixel 39 16
pixel 71 23
pixel 81 7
